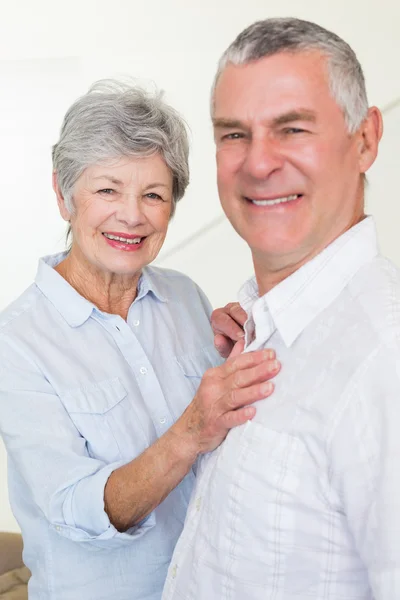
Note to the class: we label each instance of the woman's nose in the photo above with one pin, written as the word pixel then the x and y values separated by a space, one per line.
pixel 130 210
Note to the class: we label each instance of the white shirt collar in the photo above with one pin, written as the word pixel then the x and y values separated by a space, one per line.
pixel 297 300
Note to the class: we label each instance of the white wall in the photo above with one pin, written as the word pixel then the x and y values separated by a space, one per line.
pixel 52 50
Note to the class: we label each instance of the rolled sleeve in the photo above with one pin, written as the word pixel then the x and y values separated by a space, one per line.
pixel 51 456
pixel 85 519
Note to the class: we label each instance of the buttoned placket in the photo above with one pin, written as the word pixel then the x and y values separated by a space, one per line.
pixel 264 326
pixel 145 375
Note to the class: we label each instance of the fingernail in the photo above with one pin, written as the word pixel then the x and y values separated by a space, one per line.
pixel 266 388
pixel 274 365
pixel 269 354
pixel 249 412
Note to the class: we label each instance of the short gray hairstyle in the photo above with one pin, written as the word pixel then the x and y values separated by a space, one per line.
pixel 272 36
pixel 115 119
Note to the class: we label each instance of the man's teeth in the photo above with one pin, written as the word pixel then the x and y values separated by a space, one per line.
pixel 122 239
pixel 275 200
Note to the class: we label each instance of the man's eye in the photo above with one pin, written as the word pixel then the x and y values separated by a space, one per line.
pixel 291 130
pixel 233 136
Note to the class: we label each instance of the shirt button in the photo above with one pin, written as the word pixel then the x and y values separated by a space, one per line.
pixel 136 323
pixel 143 370
pixel 198 504
pixel 163 420
pixel 174 570
pixel 58 528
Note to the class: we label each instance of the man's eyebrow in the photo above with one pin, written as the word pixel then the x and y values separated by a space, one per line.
pixel 289 117
pixel 228 124
pixel 294 115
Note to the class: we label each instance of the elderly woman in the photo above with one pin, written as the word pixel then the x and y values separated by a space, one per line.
pixel 101 360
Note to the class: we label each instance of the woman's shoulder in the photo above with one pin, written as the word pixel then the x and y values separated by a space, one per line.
pixel 20 309
pixel 169 281
pixel 162 274
pixel 177 287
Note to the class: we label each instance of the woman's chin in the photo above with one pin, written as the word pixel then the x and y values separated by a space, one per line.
pixel 123 266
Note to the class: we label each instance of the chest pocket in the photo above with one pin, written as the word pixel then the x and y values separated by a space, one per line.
pixel 193 365
pixel 96 410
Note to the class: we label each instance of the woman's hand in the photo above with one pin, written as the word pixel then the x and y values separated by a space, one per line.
pixel 227 324
pixel 222 402
pixel 223 398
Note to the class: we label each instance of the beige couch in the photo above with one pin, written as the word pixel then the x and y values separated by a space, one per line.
pixel 13 574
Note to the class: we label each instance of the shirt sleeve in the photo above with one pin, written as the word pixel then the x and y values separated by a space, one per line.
pixel 365 456
pixel 49 454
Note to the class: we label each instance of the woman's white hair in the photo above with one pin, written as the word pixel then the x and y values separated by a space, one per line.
pixel 271 36
pixel 114 119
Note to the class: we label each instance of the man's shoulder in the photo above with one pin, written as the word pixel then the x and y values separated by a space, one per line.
pixel 376 292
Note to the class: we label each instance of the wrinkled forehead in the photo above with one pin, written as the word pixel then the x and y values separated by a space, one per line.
pixel 278 83
pixel 123 170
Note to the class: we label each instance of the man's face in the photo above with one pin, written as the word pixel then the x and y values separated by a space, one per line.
pixel 288 170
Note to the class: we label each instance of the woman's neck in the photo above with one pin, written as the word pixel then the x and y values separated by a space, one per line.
pixel 110 292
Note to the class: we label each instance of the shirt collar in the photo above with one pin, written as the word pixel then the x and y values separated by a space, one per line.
pixel 149 282
pixel 298 299
pixel 73 307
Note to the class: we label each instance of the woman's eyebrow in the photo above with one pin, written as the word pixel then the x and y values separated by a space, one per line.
pixel 109 178
pixel 156 184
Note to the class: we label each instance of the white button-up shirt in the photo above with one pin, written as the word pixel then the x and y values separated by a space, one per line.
pixel 303 502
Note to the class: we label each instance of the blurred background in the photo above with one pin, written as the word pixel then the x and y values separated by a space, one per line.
pixel 51 51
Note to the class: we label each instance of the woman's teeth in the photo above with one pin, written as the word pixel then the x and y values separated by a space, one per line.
pixel 122 239
pixel 275 200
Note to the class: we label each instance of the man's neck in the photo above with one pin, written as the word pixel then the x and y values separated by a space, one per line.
pixel 272 270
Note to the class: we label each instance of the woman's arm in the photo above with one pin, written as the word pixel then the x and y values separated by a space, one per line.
pixel 133 491
pixel 84 498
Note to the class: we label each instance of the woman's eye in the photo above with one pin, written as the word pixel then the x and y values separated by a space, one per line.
pixel 154 196
pixel 106 191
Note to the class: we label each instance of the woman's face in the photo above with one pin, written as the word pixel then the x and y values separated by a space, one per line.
pixel 121 213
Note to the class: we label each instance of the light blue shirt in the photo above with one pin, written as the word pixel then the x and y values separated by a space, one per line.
pixel 83 392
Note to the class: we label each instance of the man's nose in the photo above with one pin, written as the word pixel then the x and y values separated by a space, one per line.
pixel 263 158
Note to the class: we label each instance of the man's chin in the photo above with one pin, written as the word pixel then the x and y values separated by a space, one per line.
pixel 275 247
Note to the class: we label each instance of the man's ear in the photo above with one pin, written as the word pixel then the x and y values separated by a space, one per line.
pixel 64 212
pixel 370 135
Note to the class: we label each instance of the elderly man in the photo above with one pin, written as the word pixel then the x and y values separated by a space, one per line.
pixel 303 502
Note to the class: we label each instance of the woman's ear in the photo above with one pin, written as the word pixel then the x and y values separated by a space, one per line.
pixel 64 212
pixel 370 135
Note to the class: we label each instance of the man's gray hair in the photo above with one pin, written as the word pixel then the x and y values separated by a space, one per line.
pixel 272 36
pixel 114 119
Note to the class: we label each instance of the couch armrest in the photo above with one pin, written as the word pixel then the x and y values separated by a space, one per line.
pixel 10 551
